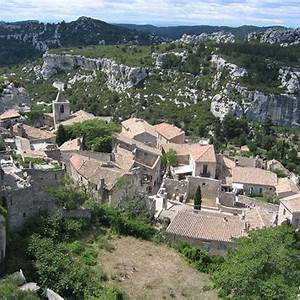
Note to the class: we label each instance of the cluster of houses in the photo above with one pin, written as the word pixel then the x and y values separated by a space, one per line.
pixel 229 185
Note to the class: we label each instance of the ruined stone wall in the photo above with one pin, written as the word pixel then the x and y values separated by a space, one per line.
pixel 175 187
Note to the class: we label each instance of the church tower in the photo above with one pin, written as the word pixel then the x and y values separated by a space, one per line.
pixel 60 108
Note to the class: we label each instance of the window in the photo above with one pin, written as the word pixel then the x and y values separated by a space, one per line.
pixel 206 246
pixel 62 109
pixel 260 190
pixel 24 215
pixel 204 169
pixel 284 211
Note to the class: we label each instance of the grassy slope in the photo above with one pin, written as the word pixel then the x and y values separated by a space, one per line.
pixel 144 270
pixel 134 56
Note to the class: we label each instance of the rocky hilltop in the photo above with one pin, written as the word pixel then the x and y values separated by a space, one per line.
pixel 218 37
pixel 119 77
pixel 280 36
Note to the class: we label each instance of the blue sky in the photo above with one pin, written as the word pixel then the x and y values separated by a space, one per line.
pixel 158 12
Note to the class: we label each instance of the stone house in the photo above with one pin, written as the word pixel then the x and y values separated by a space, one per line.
pixel 140 130
pixel 215 232
pixel 254 181
pixel 34 135
pixel 103 178
pixel 146 158
pixel 289 210
pixel 193 159
pixel 168 133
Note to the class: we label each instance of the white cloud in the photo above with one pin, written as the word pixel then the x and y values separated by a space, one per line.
pixel 167 12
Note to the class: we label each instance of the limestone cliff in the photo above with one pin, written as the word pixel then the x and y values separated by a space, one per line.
pixel 231 96
pixel 119 77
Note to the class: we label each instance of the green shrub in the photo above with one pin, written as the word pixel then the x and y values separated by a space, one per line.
pixel 89 257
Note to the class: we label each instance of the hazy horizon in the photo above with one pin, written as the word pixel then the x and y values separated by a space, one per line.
pixel 233 13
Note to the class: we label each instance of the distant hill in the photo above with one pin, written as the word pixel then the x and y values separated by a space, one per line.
pixel 176 32
pixel 33 38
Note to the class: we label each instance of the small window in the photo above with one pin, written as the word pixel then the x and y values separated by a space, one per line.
pixel 24 215
pixel 62 109
pixel 284 211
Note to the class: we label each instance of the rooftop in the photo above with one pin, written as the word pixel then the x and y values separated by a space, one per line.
pixel 198 152
pixel 292 203
pixel 33 133
pixel 135 126
pixel 78 117
pixel 255 176
pixel 207 226
pixel 286 185
pixel 71 145
pixel 168 131
pixel 9 114
pixel 94 170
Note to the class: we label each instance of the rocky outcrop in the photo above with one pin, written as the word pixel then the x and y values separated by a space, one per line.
pixel 234 71
pixel 13 97
pixel 290 80
pixel 280 36
pixel 119 77
pixel 283 109
pixel 161 57
pixel 218 37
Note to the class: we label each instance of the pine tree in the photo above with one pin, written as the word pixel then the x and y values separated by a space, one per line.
pixel 198 199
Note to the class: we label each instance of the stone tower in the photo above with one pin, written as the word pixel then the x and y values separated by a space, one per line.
pixel 60 108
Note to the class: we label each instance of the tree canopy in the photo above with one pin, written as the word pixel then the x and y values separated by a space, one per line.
pixel 265 265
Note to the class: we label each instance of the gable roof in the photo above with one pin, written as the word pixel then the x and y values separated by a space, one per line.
pixel 199 153
pixel 94 170
pixel 9 114
pixel 255 176
pixel 168 131
pixel 33 133
pixel 206 226
pixel 135 126
pixel 70 145
pixel 286 185
pixel 292 203
pixel 78 117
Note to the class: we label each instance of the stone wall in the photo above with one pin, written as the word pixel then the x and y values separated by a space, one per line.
pixel 175 187
pixel 210 188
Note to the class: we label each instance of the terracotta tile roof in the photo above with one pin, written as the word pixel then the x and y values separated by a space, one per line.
pixel 206 226
pixel 71 145
pixel 129 141
pixel 9 114
pixel 33 133
pixel 135 126
pixel 168 131
pixel 78 117
pixel 286 185
pixel 198 152
pixel 292 203
pixel 94 170
pixel 124 158
pixel 255 176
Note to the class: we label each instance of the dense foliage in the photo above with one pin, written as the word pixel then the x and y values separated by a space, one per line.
pixel 198 198
pixel 97 134
pixel 265 265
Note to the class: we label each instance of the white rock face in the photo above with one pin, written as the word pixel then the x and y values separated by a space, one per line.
pixel 234 71
pixel 14 98
pixel 219 37
pixel 119 77
pixel 290 79
pixel 221 106
pixel 280 36
pixel 160 57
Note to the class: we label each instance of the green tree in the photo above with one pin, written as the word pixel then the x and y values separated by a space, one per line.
pixel 169 159
pixel 264 265
pixel 61 135
pixel 198 198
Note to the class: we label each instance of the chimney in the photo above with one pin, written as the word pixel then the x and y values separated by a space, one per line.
pixel 20 130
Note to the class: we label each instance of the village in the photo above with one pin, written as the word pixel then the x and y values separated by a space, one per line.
pixel 156 161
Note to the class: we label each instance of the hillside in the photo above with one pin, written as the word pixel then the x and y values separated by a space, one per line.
pixel 176 32
pixel 29 39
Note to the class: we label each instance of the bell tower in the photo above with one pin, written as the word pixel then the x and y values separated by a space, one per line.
pixel 60 108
